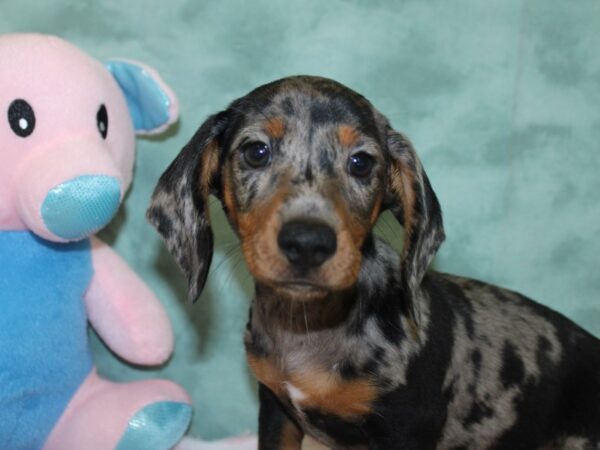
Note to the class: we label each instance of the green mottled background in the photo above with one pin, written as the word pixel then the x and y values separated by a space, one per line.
pixel 501 98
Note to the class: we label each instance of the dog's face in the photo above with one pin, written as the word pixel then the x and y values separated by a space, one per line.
pixel 303 181
pixel 303 167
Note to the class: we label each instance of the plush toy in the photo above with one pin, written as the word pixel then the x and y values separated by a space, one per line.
pixel 67 136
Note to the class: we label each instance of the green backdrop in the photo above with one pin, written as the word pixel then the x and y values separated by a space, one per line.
pixel 501 98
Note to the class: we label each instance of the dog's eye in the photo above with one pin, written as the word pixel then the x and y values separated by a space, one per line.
pixel 360 165
pixel 256 154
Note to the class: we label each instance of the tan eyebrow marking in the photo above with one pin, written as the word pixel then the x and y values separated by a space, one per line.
pixel 347 135
pixel 274 127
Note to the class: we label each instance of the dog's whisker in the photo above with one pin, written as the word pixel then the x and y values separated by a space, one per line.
pixel 239 262
pixel 229 244
pixel 391 232
pixel 306 322
pixel 390 227
pixel 246 277
pixel 230 253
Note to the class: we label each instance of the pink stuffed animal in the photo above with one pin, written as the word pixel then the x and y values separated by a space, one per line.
pixel 67 149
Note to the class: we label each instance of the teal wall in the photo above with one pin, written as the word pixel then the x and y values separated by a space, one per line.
pixel 501 98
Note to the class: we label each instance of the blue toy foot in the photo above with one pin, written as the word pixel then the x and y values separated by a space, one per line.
pixel 158 426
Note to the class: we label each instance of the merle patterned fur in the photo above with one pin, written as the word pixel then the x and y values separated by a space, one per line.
pixel 366 349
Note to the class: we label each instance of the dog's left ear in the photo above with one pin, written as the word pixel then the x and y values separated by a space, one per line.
pixel 414 204
pixel 179 205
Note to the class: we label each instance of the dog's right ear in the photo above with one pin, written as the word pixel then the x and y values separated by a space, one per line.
pixel 413 202
pixel 179 205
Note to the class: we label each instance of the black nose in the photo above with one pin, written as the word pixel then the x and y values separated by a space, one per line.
pixel 307 244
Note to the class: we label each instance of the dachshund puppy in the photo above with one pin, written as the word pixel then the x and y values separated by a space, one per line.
pixel 354 344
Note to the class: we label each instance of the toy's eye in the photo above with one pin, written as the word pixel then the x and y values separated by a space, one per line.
pixel 21 118
pixel 256 154
pixel 102 121
pixel 360 165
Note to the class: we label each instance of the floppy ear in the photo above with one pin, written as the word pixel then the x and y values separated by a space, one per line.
pixel 414 204
pixel 179 205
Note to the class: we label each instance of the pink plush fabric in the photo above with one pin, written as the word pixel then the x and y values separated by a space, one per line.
pixel 99 412
pixel 124 312
pixel 41 171
pixel 65 88
pixel 67 96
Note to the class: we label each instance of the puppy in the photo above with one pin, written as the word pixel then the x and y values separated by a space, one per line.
pixel 352 343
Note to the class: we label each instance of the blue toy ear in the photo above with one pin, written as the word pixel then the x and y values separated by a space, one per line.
pixel 151 105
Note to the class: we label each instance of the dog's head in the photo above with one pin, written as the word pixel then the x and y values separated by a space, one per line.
pixel 303 167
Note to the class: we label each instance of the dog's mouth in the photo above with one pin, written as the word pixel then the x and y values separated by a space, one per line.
pixel 303 290
pixel 301 286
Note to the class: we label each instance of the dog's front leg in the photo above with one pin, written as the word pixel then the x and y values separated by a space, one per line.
pixel 276 429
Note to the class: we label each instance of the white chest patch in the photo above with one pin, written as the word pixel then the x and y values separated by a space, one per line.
pixel 296 395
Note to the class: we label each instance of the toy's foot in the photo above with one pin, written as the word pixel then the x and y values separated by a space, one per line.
pixel 158 426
